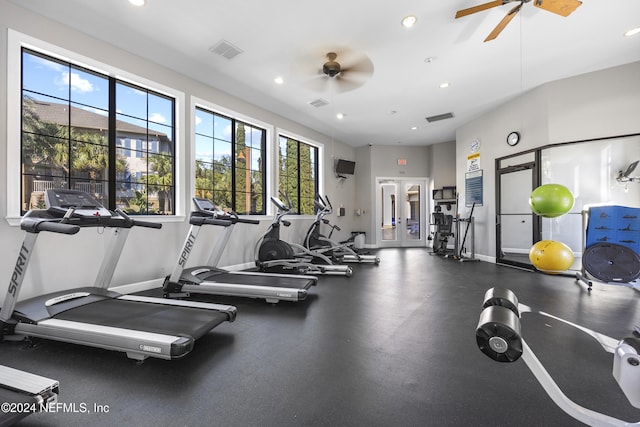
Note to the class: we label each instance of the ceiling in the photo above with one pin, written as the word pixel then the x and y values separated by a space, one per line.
pixel 290 39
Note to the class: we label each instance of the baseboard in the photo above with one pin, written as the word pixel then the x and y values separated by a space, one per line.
pixel 486 258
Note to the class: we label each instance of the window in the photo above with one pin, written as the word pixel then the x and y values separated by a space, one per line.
pixel 84 130
pixel 230 162
pixel 298 173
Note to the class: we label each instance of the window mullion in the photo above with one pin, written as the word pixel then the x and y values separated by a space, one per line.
pixel 233 165
pixel 111 137
pixel 299 180
pixel 69 139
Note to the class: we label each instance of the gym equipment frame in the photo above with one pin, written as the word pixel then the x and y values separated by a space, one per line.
pixel 95 316
pixel 29 393
pixel 274 254
pixel 610 246
pixel 209 279
pixel 498 335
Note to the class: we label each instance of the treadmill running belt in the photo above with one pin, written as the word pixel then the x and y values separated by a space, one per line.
pixel 156 318
pixel 243 279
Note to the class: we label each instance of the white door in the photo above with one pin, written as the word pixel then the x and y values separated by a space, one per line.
pixel 401 212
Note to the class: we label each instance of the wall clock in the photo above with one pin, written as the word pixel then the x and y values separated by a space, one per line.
pixel 474 147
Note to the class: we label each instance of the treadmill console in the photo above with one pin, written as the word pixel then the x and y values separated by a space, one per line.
pixel 58 202
pixel 207 206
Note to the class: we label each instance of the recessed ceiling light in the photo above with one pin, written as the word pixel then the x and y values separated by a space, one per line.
pixel 632 32
pixel 409 21
pixel 137 2
pixel 429 59
pixel 444 85
pixel 278 80
pixel 340 116
pixel 414 128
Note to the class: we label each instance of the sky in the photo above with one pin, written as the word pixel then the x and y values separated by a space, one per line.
pixel 50 81
pixel 54 82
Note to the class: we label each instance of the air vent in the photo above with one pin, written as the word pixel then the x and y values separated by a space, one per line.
pixel 319 102
pixel 440 117
pixel 226 49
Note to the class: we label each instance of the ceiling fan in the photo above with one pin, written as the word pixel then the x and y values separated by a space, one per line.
pixel 345 69
pixel 560 7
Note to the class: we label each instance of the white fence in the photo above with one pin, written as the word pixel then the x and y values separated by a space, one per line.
pixel 39 185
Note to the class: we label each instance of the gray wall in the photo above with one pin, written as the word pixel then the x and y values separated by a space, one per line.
pixel 594 105
pixel 436 162
pixel 443 164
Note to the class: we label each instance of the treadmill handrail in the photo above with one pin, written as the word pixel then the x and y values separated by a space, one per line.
pixel 206 220
pixel 136 222
pixel 219 214
pixel 36 225
pixel 235 219
pixel 114 221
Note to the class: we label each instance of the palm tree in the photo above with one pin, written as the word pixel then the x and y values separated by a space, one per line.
pixel 161 179
pixel 90 156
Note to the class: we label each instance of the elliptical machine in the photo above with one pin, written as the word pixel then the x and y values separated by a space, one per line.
pixel 341 252
pixel 276 255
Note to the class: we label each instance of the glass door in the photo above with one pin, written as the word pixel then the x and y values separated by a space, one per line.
pixel 401 212
pixel 516 225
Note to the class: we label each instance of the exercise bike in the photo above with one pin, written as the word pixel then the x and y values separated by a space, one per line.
pixel 340 252
pixel 276 255
pixel 498 335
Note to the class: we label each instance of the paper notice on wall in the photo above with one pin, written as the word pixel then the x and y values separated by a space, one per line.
pixel 473 162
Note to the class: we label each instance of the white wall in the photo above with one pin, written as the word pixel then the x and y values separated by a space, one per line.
pixel 595 105
pixel 66 261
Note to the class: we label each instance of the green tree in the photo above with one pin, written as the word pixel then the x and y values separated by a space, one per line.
pixel 289 171
pixel 242 171
pixel 160 180
pixel 90 155
pixel 45 147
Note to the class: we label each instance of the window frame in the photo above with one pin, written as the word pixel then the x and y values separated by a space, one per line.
pixel 198 103
pixel 319 182
pixel 16 42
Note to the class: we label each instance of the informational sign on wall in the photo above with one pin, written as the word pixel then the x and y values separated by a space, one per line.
pixel 473 188
pixel 473 162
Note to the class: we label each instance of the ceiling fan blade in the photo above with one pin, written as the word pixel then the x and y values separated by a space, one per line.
pixel 560 7
pixel 498 29
pixel 345 82
pixel 360 64
pixel 318 83
pixel 479 8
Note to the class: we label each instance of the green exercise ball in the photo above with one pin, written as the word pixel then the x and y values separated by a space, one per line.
pixel 550 256
pixel 551 200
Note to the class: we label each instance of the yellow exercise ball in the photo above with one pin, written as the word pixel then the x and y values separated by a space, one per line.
pixel 550 256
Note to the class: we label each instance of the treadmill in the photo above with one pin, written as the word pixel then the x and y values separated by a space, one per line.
pixel 211 280
pixel 23 394
pixel 95 316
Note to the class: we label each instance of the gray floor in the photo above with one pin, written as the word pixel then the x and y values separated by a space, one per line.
pixel 393 345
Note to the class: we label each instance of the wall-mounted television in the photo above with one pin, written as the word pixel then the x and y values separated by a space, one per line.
pixel 345 167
